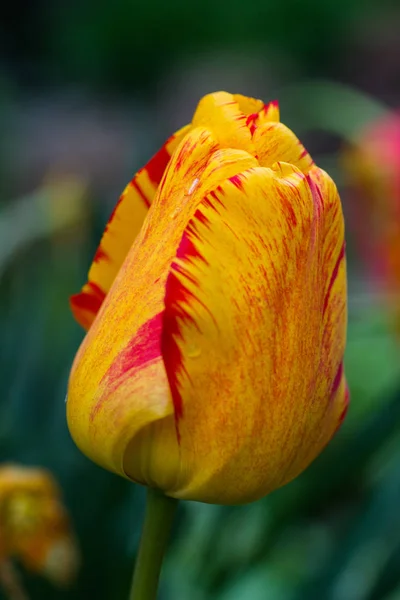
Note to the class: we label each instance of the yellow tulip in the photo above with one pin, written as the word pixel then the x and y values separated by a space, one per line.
pixel 216 313
pixel 34 525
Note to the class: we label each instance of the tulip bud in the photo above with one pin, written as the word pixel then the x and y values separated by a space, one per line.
pixel 212 368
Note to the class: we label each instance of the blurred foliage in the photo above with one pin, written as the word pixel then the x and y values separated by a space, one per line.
pixel 332 534
pixel 130 45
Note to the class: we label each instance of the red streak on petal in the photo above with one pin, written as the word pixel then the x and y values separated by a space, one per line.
pixel 96 289
pixel 177 296
pixel 289 212
pixel 187 250
pixel 157 165
pixel 178 300
pixel 100 255
pixel 274 103
pixel 237 181
pixel 337 380
pixel 143 348
pixel 345 409
pixel 304 152
pixel 87 301
pixel 334 275
pixel 202 218
pixel 316 196
pixel 139 190
pixel 216 196
pixel 114 211
pixel 251 122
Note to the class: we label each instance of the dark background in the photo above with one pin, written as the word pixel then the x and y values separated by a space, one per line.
pixel 88 91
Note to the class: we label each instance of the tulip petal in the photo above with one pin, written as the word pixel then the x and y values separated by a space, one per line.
pixel 246 104
pixel 233 119
pixel 260 265
pixel 269 112
pixel 118 387
pixel 221 114
pixel 122 228
pixel 275 142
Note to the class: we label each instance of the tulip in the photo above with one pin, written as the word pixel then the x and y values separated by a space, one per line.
pixel 216 311
pixel 373 168
pixel 212 369
pixel 34 525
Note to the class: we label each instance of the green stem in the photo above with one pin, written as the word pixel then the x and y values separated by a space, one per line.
pixel 160 511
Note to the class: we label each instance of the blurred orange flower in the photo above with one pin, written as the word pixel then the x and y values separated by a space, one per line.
pixel 373 167
pixel 34 525
pixel 216 308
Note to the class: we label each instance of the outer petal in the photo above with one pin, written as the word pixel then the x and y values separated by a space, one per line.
pixel 118 387
pixel 254 333
pixel 122 228
pixel 233 119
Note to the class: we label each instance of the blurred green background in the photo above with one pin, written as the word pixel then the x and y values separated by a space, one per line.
pixel 88 91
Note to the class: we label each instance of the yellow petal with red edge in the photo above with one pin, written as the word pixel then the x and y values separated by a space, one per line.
pixel 190 378
pixel 254 333
pixel 233 119
pixel 268 113
pixel 122 228
pixel 118 386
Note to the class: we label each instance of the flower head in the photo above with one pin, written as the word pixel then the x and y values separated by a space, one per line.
pixel 34 525
pixel 216 313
